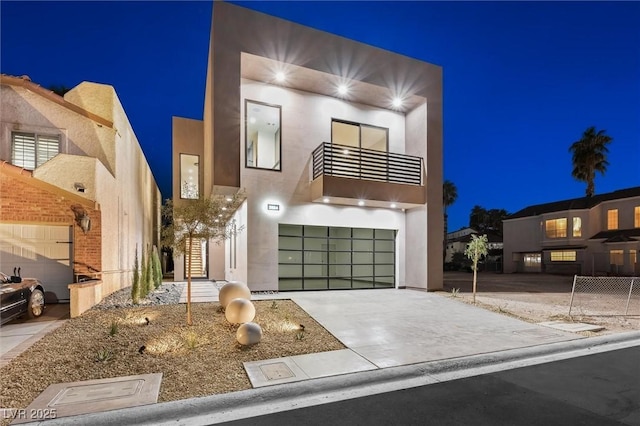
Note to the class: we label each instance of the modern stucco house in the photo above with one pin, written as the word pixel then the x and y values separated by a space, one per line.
pixel 66 162
pixel 338 146
pixel 588 235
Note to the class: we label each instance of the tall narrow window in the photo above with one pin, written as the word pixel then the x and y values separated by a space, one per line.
pixel 577 227
pixel 263 135
pixel 556 228
pixel 636 217
pixel 612 219
pixel 189 176
pixel 30 150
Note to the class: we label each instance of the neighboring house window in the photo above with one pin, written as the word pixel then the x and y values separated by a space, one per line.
pixel 636 217
pixel 616 257
pixel 189 176
pixel 577 227
pixel 556 228
pixel 563 256
pixel 633 257
pixel 263 138
pixel 612 219
pixel 31 150
pixel 359 135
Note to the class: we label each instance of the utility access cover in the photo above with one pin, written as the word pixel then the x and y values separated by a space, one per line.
pixel 277 370
pixel 92 396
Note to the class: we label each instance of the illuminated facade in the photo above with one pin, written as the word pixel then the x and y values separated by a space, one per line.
pixel 338 146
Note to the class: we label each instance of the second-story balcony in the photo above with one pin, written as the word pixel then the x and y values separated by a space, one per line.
pixel 349 175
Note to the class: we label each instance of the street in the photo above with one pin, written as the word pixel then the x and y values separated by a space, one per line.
pixel 601 389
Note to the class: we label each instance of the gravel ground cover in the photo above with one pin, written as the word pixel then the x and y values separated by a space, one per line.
pixel 117 338
pixel 534 298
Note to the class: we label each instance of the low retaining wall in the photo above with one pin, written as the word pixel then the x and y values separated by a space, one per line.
pixel 84 295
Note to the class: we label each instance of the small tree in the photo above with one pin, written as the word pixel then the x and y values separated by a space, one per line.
pixel 135 287
pixel 157 268
pixel 477 247
pixel 144 287
pixel 206 218
pixel 150 276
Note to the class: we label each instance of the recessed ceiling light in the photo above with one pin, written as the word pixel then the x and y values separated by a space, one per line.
pixel 280 76
pixel 397 102
pixel 325 200
pixel 343 89
pixel 361 203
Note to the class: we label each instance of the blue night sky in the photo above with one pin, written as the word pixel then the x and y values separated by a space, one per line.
pixel 522 80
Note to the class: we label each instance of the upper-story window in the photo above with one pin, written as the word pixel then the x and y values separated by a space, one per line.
pixel 359 135
pixel 612 219
pixel 262 135
pixel 556 228
pixel 189 176
pixel 577 227
pixel 31 150
pixel 636 217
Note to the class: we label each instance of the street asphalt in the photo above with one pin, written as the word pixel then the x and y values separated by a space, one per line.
pixel 601 389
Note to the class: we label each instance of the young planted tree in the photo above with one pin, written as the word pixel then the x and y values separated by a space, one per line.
pixel 205 218
pixel 157 268
pixel 144 287
pixel 135 286
pixel 150 276
pixel 590 156
pixel 477 247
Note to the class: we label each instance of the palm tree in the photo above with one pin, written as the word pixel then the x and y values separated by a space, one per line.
pixel 590 156
pixel 449 196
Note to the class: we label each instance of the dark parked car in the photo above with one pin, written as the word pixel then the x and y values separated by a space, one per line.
pixel 20 296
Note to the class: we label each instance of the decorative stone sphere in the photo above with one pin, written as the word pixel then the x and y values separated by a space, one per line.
pixel 249 333
pixel 240 310
pixel 233 290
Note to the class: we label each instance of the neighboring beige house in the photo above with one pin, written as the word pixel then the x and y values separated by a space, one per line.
pixel 83 144
pixel 589 235
pixel 338 145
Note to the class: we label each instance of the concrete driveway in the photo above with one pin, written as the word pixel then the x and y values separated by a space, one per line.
pixel 19 334
pixel 399 327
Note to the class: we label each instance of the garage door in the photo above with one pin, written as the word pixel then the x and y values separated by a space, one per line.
pixel 43 252
pixel 332 258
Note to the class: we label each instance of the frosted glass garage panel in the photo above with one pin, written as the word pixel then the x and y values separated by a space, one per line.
pixel 321 258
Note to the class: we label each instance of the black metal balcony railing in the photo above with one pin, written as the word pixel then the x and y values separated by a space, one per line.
pixel 368 164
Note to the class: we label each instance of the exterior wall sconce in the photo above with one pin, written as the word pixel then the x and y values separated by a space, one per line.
pixel 85 223
pixel 82 217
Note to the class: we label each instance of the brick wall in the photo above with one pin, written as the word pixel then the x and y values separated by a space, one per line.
pixel 24 199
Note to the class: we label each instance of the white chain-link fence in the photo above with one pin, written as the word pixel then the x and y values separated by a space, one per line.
pixel 605 296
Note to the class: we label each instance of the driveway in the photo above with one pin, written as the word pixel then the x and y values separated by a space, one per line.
pixel 18 335
pixel 399 327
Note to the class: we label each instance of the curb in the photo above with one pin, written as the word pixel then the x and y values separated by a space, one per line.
pixel 224 407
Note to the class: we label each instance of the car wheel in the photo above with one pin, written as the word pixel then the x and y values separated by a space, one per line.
pixel 36 304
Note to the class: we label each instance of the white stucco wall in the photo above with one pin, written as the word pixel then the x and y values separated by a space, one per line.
pixel 306 123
